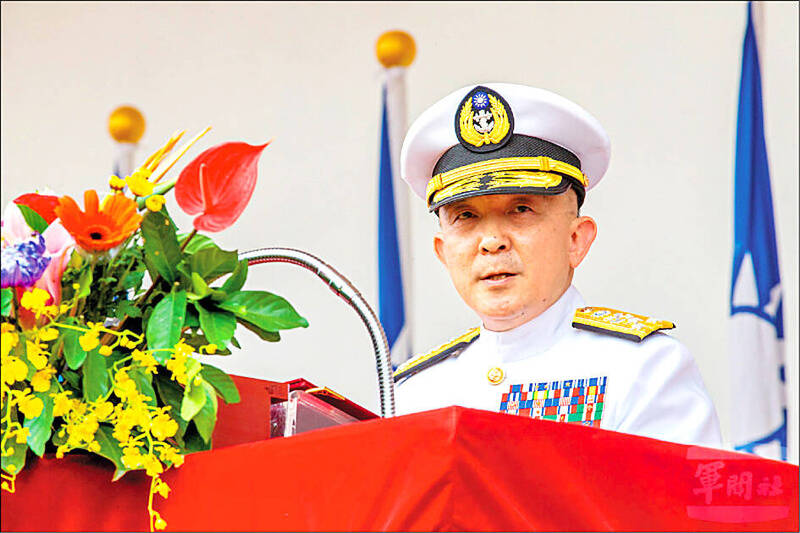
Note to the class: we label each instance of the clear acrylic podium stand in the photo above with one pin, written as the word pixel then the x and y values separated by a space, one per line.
pixel 303 412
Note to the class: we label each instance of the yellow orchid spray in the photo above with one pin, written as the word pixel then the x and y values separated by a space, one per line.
pixel 106 355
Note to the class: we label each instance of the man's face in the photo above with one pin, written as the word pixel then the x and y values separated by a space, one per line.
pixel 512 256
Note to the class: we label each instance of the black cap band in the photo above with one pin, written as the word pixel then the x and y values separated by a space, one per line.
pixel 518 146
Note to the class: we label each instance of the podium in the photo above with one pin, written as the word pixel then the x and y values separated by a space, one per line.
pixel 449 469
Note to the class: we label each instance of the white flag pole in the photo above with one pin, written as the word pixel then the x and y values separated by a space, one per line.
pixel 396 51
pixel 123 158
pixel 126 125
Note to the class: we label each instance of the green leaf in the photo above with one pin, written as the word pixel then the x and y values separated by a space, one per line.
pixel 126 307
pixel 73 353
pixel 165 323
pixel 110 449
pixel 193 368
pixel 95 377
pixel 237 279
pixel 264 335
pixel 132 280
pixel 144 384
pixel 212 262
pixel 194 398
pixel 192 320
pixel 31 370
pixel 73 378
pixel 193 442
pixel 222 382
pixel 218 326
pixel 35 221
pixel 235 342
pixel 218 295
pixel 85 282
pixel 172 395
pixel 198 242
pixel 198 340
pixel 151 267
pixel 200 288
pixel 15 461
pixel 266 310
pixel 161 245
pixel 41 427
pixel 185 271
pixel 206 418
pixel 6 297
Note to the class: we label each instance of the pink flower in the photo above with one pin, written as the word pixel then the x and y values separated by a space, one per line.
pixel 58 243
pixel 15 229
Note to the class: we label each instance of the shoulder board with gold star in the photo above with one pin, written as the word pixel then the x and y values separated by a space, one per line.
pixel 421 362
pixel 618 323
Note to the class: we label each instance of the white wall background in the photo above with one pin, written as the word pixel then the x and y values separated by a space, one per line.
pixel 662 78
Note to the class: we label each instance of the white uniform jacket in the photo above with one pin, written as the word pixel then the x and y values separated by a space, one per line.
pixel 552 370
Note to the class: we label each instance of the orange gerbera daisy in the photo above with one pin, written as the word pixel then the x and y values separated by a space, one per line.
pixel 99 229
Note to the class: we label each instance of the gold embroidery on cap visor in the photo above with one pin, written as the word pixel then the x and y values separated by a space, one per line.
pixel 497 176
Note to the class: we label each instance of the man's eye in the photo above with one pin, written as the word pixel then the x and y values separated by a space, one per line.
pixel 463 215
pixel 522 209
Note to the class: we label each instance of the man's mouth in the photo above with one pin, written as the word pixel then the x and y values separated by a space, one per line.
pixel 498 276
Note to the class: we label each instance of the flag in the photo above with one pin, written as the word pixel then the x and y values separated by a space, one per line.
pixel 393 274
pixel 758 394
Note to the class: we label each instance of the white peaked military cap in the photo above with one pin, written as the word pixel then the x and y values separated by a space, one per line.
pixel 501 138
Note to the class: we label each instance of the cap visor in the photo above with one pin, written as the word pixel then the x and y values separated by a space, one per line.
pixel 501 182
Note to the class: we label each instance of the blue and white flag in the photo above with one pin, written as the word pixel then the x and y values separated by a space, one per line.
pixel 393 272
pixel 758 394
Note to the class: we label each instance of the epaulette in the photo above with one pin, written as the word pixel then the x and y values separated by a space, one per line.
pixel 618 323
pixel 421 362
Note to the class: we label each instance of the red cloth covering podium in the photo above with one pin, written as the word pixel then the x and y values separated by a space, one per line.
pixel 449 469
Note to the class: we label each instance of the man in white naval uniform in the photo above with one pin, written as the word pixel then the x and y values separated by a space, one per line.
pixel 506 169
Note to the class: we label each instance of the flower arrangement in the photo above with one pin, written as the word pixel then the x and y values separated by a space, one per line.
pixel 107 310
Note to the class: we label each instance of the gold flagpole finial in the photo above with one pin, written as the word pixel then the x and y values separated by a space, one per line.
pixel 395 49
pixel 126 124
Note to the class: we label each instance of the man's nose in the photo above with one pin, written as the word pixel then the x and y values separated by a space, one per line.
pixel 493 242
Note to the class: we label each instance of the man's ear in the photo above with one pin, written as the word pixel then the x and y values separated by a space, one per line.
pixel 584 230
pixel 438 247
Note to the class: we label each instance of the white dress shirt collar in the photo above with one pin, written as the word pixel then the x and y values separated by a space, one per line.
pixel 536 335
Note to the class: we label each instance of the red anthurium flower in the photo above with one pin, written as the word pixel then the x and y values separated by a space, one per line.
pixel 43 204
pixel 218 184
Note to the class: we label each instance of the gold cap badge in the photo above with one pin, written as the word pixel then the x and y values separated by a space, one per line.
pixel 484 121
